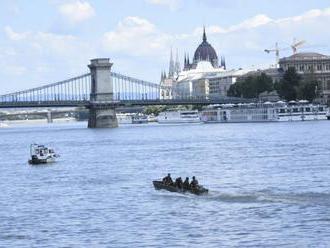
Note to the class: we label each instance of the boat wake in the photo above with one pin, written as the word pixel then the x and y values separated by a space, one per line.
pixel 305 198
pixel 262 196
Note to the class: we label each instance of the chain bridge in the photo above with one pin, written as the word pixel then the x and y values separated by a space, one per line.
pixel 101 91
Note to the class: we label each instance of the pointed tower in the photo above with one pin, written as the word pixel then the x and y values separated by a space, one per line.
pixel 185 61
pixel 171 70
pixel 204 35
pixel 223 62
pixel 177 63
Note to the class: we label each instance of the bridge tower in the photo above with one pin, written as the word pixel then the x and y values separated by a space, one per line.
pixel 101 113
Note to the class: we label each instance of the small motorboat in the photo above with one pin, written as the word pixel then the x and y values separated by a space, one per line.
pixel 199 190
pixel 41 154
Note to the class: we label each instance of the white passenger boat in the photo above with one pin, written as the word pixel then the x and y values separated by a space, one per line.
pixel 124 118
pixel 3 125
pixel 140 119
pixel 301 111
pixel 41 154
pixel 179 116
pixel 227 113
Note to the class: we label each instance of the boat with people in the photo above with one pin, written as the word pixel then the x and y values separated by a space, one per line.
pixel 40 154
pixel 179 186
pixel 179 116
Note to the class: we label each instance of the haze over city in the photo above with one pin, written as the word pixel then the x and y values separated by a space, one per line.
pixel 49 41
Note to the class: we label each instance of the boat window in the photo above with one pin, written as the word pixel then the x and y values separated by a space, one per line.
pixel 308 109
pixel 282 110
pixel 295 110
pixel 320 108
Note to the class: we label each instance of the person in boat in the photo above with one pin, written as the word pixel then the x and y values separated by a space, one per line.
pixel 194 183
pixel 168 180
pixel 186 184
pixel 178 183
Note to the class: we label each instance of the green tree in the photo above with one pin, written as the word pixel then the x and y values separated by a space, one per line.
pixel 288 86
pixel 251 86
pixel 307 90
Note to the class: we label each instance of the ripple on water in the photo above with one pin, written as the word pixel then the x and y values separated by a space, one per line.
pixel 269 186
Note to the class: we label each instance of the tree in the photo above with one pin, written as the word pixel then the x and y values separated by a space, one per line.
pixel 307 90
pixel 288 86
pixel 251 86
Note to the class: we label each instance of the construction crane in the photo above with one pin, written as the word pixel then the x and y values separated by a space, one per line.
pixel 297 44
pixel 277 52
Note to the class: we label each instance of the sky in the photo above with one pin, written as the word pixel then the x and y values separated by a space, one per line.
pixel 45 41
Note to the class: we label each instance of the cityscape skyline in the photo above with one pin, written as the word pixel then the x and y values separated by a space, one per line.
pixel 47 47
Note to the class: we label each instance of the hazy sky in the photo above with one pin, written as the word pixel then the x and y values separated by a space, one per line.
pixel 44 41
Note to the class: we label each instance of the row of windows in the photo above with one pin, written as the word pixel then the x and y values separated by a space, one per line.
pixel 296 110
pixel 302 68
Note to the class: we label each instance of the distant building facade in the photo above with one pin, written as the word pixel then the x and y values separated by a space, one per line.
pixel 204 76
pixel 307 64
pixel 167 81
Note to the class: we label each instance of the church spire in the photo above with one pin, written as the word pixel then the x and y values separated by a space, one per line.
pixel 185 60
pixel 177 63
pixel 223 62
pixel 204 35
pixel 172 66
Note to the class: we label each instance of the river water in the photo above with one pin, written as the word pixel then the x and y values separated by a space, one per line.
pixel 269 186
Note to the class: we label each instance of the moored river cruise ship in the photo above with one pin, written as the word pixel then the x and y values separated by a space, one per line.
pixel 264 112
pixel 301 111
pixel 179 116
pixel 239 113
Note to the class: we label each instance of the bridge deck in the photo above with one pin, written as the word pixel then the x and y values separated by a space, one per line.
pixel 191 101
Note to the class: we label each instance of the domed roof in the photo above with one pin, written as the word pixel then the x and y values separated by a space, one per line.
pixel 205 52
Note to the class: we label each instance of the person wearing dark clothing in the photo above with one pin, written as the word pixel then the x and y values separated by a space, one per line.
pixel 178 182
pixel 186 183
pixel 168 180
pixel 194 183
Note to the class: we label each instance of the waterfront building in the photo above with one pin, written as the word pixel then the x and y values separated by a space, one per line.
pixel 205 80
pixel 311 65
pixel 168 80
pixel 204 76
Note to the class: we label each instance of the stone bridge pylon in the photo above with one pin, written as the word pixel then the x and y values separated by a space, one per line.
pixel 101 92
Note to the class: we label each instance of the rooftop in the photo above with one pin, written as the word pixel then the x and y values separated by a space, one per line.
pixel 306 56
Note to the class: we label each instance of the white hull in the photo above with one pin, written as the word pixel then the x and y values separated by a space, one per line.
pixel 178 121
pixel 178 117
pixel 124 119
pixel 3 125
pixel 264 113
pixel 239 115
pixel 41 154
pixel 317 117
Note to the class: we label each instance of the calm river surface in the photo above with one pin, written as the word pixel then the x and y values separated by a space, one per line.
pixel 269 186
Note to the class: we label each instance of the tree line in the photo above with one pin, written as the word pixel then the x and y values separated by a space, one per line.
pixel 291 87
